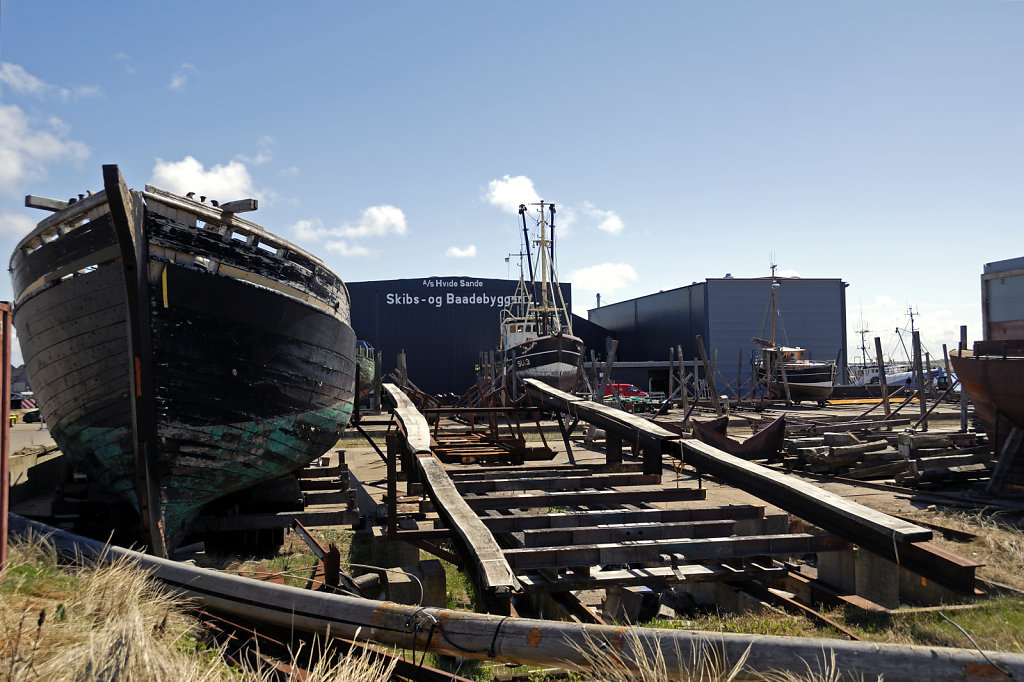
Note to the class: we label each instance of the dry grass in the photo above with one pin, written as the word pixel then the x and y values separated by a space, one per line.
pixel 110 622
pixel 646 662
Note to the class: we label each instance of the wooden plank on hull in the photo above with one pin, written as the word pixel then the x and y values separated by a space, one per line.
pixel 524 521
pixel 588 498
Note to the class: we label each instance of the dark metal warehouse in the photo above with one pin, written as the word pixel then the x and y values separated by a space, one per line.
pixel 727 312
pixel 442 324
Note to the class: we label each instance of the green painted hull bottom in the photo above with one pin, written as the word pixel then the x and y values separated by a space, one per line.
pixel 217 460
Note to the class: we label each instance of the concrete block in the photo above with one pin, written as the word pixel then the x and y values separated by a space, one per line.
pixel 387 553
pixel 435 583
pixel 401 586
pixel 857 571
pixel 630 605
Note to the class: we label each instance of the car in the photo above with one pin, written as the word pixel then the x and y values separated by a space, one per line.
pixel 624 391
pixel 32 417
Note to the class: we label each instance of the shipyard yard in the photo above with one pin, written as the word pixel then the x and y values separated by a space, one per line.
pixel 453 342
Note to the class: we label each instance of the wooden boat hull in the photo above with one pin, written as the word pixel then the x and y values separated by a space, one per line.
pixel 552 359
pixel 993 376
pixel 807 381
pixel 252 355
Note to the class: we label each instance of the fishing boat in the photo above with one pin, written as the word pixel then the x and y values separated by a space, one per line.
pixel 787 371
pixel 992 373
pixel 179 352
pixel 536 329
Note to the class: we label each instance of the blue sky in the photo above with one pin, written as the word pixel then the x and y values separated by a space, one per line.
pixel 878 142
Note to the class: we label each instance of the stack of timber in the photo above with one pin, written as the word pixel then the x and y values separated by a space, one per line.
pixel 907 458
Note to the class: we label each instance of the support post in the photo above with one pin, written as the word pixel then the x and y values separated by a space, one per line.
pixel 709 375
pixel 919 374
pixel 963 392
pixel 612 448
pixel 881 377
pixel 393 448
pixel 684 400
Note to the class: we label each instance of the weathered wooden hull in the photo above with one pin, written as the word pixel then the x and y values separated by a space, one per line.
pixel 807 381
pixel 552 359
pixel 252 355
pixel 993 376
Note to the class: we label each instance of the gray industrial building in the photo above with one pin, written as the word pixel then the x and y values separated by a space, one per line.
pixel 727 313
pixel 442 324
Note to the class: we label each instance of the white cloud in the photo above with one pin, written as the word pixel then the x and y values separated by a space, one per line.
pixel 224 183
pixel 782 272
pixel 289 172
pixel 25 151
pixel 126 61
pixel 22 82
pixel 608 221
pixel 263 147
pixel 508 192
pixel 603 278
pixel 346 249
pixel 456 252
pixel 375 221
pixel 15 224
pixel 180 77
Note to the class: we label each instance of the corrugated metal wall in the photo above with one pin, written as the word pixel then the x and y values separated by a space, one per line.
pixel 442 324
pixel 727 313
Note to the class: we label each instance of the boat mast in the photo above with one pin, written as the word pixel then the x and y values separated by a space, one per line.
pixel 771 305
pixel 526 242
pixel 542 246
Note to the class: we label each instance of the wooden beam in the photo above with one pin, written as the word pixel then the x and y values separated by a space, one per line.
pixel 240 206
pixel 584 535
pixel 560 483
pixel 655 575
pixel 521 522
pixel 572 499
pixel 45 203
pixel 653 552
pixel 493 570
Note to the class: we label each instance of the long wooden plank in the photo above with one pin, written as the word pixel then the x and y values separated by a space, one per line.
pixel 592 497
pixel 557 483
pixel 655 575
pixel 522 522
pixel 652 551
pixel 493 569
pixel 585 535
pixel 414 425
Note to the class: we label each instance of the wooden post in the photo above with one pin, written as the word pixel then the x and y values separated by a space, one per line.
pixel 739 374
pixel 378 367
pixel 709 375
pixel 393 448
pixel 671 372
pixel 403 374
pixel 919 373
pixel 963 391
pixel 612 448
pixel 5 430
pixel 614 346
pixel 684 402
pixel 881 377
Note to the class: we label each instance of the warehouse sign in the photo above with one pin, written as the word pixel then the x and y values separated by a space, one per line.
pixel 450 298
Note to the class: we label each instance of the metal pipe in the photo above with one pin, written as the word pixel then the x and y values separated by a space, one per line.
pixel 530 641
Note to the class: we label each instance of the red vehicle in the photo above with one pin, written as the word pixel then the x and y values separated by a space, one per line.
pixel 623 391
